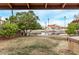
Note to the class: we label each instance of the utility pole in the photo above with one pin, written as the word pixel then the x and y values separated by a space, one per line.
pixel 65 18
pixel 65 21
pixel 48 21
pixel 0 20
pixel 45 26
pixel 48 27
pixel 12 12
pixel 45 29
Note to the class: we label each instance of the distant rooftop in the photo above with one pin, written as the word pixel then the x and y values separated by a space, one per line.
pixel 56 26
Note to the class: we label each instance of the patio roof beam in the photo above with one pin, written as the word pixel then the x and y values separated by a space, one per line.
pixel 28 5
pixel 9 4
pixel 63 6
pixel 45 5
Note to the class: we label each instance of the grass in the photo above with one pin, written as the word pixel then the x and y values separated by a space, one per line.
pixel 57 37
pixel 32 46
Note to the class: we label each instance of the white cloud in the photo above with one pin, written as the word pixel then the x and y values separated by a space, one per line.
pixel 59 18
pixel 43 24
pixel 60 22
pixel 2 18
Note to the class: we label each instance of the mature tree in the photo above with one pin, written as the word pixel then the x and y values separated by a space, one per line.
pixel 25 21
pixel 11 19
pixel 28 20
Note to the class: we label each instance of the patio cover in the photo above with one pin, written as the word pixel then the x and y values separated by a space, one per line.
pixel 39 5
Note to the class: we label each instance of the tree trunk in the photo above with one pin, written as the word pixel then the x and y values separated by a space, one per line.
pixel 29 32
pixel 25 32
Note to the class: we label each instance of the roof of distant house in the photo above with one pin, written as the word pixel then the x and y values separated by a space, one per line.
pixel 56 26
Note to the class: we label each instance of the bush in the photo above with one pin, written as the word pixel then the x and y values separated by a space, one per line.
pixel 8 29
pixel 72 27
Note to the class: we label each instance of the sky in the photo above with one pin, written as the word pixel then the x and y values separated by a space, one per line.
pixel 55 16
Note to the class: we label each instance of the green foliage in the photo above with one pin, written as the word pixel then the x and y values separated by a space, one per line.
pixel 21 21
pixel 72 27
pixel 25 20
pixel 8 29
pixel 12 19
pixel 2 32
pixel 21 26
pixel 35 25
pixel 28 20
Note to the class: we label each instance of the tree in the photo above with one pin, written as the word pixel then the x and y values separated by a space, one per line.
pixel 28 21
pixel 13 19
pixel 25 21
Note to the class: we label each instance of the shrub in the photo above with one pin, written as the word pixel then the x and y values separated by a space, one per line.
pixel 72 27
pixel 8 29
